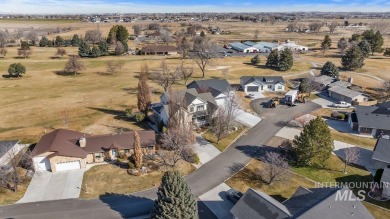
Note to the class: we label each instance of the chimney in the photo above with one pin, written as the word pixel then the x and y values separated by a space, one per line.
pixel 350 80
pixel 82 142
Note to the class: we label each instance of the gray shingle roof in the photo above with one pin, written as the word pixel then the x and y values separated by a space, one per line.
pixel 382 150
pixel 189 95
pixel 239 45
pixel 262 79
pixel 322 203
pixel 256 204
pixel 344 91
pixel 324 80
pixel 373 117
pixel 214 86
pixel 340 84
pixel 5 146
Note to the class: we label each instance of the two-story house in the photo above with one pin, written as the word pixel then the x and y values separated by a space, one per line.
pixel 199 107
pixel 220 89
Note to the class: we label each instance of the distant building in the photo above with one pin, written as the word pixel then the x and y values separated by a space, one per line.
pixel 240 47
pixel 158 50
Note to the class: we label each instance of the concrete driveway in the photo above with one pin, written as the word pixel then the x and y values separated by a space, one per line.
pixel 46 186
pixel 216 200
pixel 247 119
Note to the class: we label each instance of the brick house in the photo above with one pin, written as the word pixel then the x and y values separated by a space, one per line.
pixel 63 149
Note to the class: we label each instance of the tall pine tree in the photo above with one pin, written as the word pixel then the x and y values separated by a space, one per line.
pixel 273 59
pixel 174 199
pixel 330 70
pixel 314 145
pixel 326 44
pixel 137 151
pixel 286 60
pixel 353 59
pixel 365 47
pixel 143 95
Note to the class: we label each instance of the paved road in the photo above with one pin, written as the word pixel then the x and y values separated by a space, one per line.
pixel 201 181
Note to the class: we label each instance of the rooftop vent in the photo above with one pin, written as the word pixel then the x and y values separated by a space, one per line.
pixel 82 142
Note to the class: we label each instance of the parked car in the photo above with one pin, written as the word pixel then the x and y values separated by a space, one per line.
pixel 250 96
pixel 342 104
pixel 234 195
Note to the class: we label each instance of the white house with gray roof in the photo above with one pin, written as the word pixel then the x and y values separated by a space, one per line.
pixel 259 84
pixel 240 47
pixel 346 94
pixel 303 204
pixel 220 89
pixel 197 107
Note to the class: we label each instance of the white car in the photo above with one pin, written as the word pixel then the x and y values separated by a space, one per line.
pixel 342 104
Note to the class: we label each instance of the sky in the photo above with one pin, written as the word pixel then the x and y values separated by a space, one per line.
pixel 166 6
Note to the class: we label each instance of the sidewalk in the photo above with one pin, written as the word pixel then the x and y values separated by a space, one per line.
pixel 205 150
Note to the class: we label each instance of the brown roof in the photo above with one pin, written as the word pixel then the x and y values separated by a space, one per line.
pixel 65 142
pixel 159 48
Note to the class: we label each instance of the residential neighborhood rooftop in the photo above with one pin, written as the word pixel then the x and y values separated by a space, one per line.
pixel 345 91
pixel 262 79
pixel 373 117
pixel 214 86
pixel 382 150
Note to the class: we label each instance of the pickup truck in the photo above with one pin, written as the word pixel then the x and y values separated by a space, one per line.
pixel 342 104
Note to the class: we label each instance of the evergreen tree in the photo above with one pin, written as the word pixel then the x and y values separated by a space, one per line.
pixel 353 59
pixel 326 43
pixel 174 199
pixel 255 60
pixel 16 69
pixel 84 49
pixel 314 145
pixel 273 59
pixel 365 47
pixel 44 42
pixel 137 151
pixel 286 60
pixel 374 39
pixel 118 33
pixel 330 70
pixel 143 95
pixel 202 34
pixel 24 45
pixel 75 40
pixel 103 46
pixel 95 52
pixel 387 52
pixel 355 38
pixel 59 41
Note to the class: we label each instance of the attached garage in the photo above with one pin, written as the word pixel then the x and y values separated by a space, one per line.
pixel 70 165
pixel 252 88
pixel 41 163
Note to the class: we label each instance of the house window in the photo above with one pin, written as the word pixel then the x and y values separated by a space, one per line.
pixel 280 87
pixel 200 108
pixel 269 86
pixel 114 152
pixel 98 155
pixel 126 151
pixel 191 109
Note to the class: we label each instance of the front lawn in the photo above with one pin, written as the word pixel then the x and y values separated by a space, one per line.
pixel 105 179
pixel 223 143
pixel 368 143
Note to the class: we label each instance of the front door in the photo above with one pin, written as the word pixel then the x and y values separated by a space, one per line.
pixel 115 153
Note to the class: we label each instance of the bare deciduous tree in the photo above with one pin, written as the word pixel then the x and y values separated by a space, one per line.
pixel 185 72
pixel 3 52
pixel 165 36
pixel 385 91
pixel 351 156
pixel 204 50
pixel 137 151
pixel 137 29
pixel 143 95
pixel 184 46
pixel 292 27
pixel 24 52
pixel 93 36
pixel 275 168
pixel 256 35
pixel 120 48
pixel 114 67
pixel 332 26
pixel 342 45
pixel 3 39
pixel 315 26
pixel 61 52
pixel 74 65
pixel 381 26
pixel 225 115
pixel 165 76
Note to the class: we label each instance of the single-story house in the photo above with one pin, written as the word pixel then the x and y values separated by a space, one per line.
pixel 259 84
pixel 240 47
pixel 158 50
pixel 293 46
pixel 198 108
pixel 303 204
pixel 8 149
pixel 219 88
pixel 371 120
pixel 345 94
pixel 322 82
pixel 63 149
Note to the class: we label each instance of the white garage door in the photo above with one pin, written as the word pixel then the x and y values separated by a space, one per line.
pixel 71 165
pixel 41 164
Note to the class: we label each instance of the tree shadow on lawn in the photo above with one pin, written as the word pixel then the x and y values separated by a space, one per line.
pixel 127 205
pixel 257 152
pixel 64 73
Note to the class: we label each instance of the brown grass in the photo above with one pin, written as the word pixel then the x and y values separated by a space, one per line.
pixel 9 197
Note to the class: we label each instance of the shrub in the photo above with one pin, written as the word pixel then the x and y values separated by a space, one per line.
pixel 129 112
pixel 131 165
pixel 335 114
pixel 195 159
pixel 342 116
pixel 123 156
pixel 139 117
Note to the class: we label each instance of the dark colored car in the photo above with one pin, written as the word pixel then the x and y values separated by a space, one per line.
pixel 234 195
